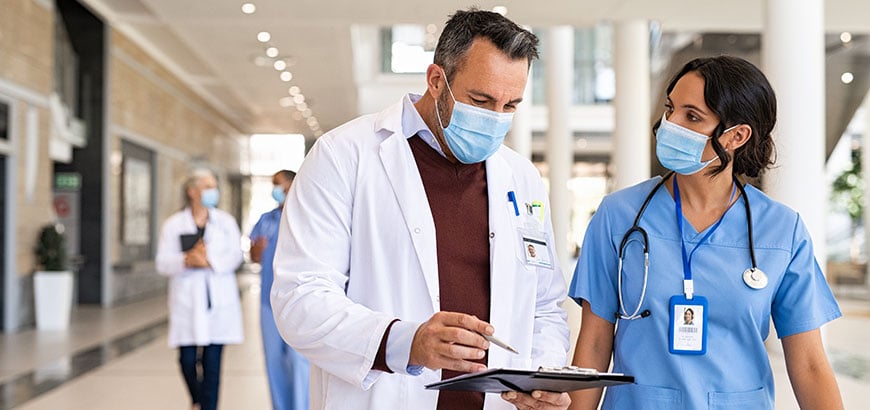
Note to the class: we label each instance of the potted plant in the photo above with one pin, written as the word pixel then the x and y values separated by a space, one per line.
pixel 53 281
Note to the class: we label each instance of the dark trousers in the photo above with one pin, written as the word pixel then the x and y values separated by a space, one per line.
pixel 202 385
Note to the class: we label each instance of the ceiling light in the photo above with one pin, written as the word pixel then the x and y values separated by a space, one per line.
pixel 249 8
pixel 299 98
pixel 311 121
pixel 286 77
pixel 294 90
pixel 279 65
pixel 272 52
pixel 847 77
pixel 301 106
pixel 845 37
pixel 500 10
pixel 306 114
pixel 285 102
pixel 318 133
pixel 264 36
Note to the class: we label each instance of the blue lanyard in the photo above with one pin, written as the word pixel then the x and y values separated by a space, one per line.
pixel 687 259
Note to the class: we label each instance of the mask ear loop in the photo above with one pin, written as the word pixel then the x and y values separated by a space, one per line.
pixel 437 113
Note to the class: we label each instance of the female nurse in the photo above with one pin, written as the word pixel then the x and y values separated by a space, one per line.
pixel 714 245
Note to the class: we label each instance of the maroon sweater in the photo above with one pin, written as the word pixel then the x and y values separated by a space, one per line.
pixel 459 203
pixel 458 199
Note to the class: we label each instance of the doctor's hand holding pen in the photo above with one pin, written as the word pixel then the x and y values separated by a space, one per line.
pixel 456 341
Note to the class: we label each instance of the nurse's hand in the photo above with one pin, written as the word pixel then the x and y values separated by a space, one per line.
pixel 449 340
pixel 196 257
pixel 537 400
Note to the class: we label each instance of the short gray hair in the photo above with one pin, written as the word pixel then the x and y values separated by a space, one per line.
pixel 465 26
pixel 192 179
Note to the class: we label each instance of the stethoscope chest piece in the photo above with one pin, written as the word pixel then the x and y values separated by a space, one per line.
pixel 755 278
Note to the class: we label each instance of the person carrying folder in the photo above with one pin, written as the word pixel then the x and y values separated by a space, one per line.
pixel 691 285
pixel 199 250
pixel 402 239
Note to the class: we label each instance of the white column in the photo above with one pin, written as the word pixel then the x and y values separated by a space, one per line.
pixel 520 136
pixel 631 134
pixel 560 150
pixel 793 55
pixel 560 141
pixel 865 172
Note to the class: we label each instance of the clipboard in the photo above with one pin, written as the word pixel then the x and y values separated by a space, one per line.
pixel 556 379
pixel 188 241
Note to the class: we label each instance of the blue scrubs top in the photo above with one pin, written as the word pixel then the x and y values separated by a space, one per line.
pixel 267 227
pixel 735 371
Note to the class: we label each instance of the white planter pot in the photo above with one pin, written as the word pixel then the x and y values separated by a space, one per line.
pixel 53 293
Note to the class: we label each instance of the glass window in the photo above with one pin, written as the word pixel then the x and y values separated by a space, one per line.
pixel 594 80
pixel 408 48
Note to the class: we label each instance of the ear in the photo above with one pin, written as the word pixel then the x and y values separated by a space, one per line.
pixel 435 80
pixel 736 137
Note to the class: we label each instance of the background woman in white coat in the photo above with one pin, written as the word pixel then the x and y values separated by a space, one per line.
pixel 199 251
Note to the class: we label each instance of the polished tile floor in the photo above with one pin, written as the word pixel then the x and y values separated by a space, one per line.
pixel 118 359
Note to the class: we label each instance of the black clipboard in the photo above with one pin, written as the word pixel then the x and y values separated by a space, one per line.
pixel 563 379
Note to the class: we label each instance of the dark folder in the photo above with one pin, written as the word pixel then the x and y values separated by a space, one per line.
pixel 188 241
pixel 549 379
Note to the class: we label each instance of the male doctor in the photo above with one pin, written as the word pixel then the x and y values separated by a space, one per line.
pixel 402 240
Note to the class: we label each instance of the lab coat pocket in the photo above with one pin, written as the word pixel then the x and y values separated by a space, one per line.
pixel 746 400
pixel 638 396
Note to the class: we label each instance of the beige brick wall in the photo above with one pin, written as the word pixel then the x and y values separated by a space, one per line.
pixel 147 100
pixel 26 54
pixel 26 44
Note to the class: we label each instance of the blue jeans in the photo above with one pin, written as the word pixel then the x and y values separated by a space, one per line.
pixel 202 386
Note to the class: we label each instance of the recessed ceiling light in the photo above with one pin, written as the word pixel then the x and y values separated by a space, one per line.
pixel 847 77
pixel 272 52
pixel 264 36
pixel 845 37
pixel 301 106
pixel 286 76
pixel 249 8
pixel 299 98
pixel 279 65
pixel 311 121
pixel 500 10
pixel 294 90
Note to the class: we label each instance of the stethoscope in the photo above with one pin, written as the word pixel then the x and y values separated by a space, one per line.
pixel 753 277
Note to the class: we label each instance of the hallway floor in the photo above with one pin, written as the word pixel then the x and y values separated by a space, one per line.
pixel 117 358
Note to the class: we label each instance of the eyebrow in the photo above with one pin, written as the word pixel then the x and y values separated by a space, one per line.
pixel 689 106
pixel 491 98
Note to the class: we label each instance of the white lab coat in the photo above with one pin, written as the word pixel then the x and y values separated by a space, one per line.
pixel 190 321
pixel 356 249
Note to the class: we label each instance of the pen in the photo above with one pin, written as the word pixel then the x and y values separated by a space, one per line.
pixel 513 198
pixel 494 340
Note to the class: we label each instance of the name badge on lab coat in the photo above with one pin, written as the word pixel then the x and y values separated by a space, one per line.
pixel 534 244
pixel 688 325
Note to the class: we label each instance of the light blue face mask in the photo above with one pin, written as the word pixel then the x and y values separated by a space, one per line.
pixel 679 149
pixel 278 193
pixel 474 133
pixel 210 198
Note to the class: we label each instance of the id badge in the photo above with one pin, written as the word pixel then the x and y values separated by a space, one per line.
pixel 688 325
pixel 535 248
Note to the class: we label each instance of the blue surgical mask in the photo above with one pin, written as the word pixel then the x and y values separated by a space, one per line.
pixel 278 193
pixel 474 133
pixel 210 197
pixel 680 149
